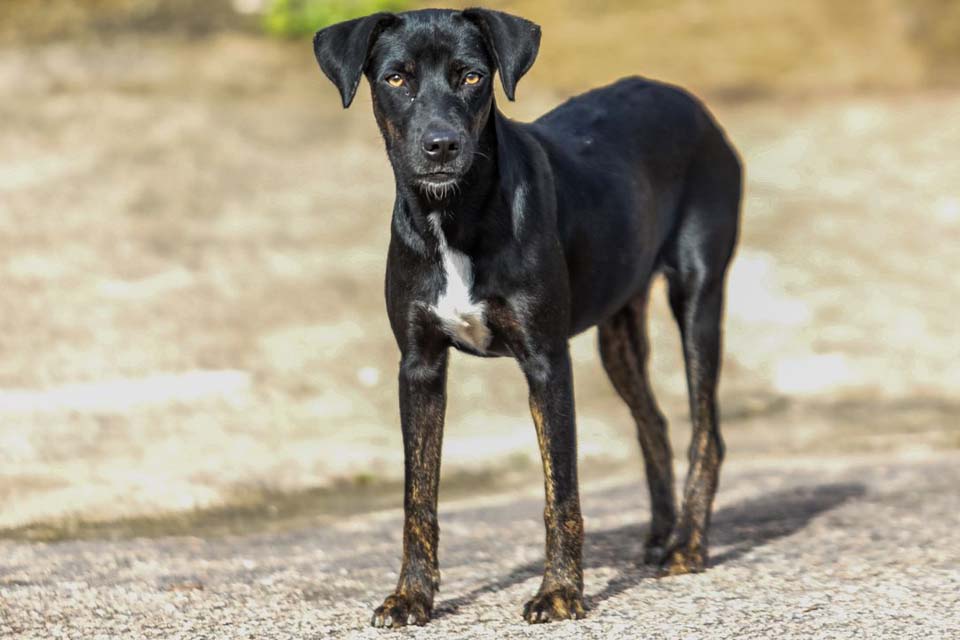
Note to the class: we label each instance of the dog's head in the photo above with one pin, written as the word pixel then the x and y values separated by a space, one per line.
pixel 431 76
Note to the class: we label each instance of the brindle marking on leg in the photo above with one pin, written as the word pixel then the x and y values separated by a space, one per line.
pixel 537 415
pixel 560 595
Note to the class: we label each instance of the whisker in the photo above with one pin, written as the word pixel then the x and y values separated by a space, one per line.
pixel 440 191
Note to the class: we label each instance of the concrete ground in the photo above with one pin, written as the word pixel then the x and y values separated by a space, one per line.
pixel 863 547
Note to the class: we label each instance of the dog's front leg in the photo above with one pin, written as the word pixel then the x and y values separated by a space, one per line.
pixel 422 406
pixel 551 403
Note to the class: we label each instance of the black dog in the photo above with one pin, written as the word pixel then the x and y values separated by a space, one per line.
pixel 509 238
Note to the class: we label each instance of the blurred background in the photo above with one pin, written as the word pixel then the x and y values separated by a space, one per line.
pixel 193 236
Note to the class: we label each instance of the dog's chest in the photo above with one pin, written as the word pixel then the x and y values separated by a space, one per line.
pixel 460 315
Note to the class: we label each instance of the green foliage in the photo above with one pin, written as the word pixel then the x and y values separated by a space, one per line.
pixel 296 18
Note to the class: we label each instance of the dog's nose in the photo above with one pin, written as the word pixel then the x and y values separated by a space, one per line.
pixel 441 145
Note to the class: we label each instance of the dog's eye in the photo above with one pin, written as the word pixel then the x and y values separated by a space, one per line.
pixel 472 78
pixel 395 80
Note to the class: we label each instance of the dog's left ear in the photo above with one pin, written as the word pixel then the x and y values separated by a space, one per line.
pixel 513 42
pixel 342 50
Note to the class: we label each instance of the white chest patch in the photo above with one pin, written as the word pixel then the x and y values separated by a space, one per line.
pixel 462 317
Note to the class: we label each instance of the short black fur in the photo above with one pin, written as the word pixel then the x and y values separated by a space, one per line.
pixel 550 228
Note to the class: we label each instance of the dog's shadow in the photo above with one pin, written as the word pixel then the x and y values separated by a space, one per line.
pixel 735 530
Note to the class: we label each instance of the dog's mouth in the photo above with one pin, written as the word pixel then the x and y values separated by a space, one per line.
pixel 437 177
pixel 439 184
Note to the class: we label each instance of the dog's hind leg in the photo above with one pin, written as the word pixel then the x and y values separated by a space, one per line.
pixel 624 349
pixel 695 263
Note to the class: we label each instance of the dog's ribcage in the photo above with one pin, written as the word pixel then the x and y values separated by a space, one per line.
pixel 461 316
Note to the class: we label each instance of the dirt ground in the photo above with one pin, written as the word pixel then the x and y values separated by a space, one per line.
pixel 192 243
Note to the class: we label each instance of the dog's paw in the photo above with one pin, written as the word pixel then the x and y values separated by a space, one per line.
pixel 681 560
pixel 655 550
pixel 654 554
pixel 402 609
pixel 555 604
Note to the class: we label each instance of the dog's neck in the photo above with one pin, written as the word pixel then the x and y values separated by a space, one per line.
pixel 465 213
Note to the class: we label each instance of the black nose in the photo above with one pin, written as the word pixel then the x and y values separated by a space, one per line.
pixel 441 145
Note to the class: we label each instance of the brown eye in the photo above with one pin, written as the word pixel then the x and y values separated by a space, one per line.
pixel 395 80
pixel 472 78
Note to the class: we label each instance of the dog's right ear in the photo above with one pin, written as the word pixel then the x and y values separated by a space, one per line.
pixel 342 50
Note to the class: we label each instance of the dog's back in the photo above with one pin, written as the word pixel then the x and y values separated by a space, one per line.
pixel 625 160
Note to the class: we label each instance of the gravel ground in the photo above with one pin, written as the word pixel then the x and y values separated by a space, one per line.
pixel 839 547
